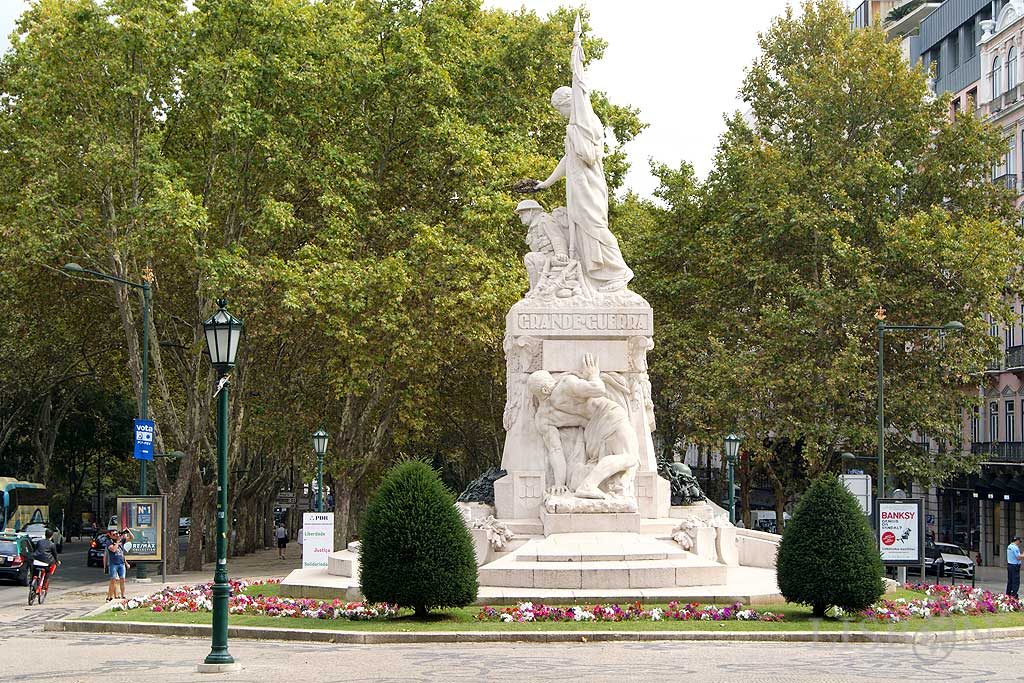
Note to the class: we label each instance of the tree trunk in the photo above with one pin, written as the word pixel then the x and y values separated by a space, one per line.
pixel 421 611
pixel 818 610
pixel 342 499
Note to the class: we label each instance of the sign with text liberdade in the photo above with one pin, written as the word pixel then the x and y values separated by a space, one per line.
pixel 317 539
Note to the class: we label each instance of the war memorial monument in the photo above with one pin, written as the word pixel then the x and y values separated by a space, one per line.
pixel 579 509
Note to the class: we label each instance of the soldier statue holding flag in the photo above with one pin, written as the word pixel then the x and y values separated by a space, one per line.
pixel 590 240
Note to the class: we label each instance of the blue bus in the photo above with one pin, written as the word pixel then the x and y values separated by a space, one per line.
pixel 24 502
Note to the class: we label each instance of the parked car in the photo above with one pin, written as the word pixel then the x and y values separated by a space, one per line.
pixel 94 555
pixel 184 525
pixel 954 561
pixel 15 557
pixel 945 559
pixel 37 531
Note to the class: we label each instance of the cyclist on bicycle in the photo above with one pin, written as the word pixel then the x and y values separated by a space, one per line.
pixel 44 557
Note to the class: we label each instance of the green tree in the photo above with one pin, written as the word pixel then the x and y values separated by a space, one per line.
pixel 827 555
pixel 415 548
pixel 340 170
pixel 846 188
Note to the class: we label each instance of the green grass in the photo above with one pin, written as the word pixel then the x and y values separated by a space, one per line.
pixel 797 618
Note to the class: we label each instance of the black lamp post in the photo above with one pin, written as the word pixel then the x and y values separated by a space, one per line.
pixel 732 449
pixel 883 327
pixel 222 334
pixel 147 303
pixel 320 447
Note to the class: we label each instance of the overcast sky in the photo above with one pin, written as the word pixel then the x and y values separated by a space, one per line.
pixel 679 61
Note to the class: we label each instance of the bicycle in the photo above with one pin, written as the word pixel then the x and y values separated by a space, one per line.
pixel 40 583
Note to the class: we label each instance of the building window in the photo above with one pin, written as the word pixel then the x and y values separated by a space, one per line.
pixel 976 424
pixel 993 327
pixel 1009 436
pixel 970 42
pixel 1011 68
pixel 993 422
pixel 972 100
pixel 954 51
pixel 956 107
pixel 1011 158
pixel 1008 336
pixel 994 77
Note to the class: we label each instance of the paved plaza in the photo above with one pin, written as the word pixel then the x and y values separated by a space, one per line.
pixel 69 657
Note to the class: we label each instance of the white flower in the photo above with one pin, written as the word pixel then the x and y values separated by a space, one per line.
pixel 656 614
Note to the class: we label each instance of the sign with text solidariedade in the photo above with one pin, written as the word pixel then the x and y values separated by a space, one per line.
pixel 900 531
pixel 317 539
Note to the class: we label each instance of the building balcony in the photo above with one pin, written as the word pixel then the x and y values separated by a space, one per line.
pixel 1007 180
pixel 999 451
pixel 1012 361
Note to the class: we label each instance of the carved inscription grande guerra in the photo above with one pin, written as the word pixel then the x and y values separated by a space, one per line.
pixel 548 323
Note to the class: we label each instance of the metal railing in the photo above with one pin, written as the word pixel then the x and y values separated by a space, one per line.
pixel 1012 361
pixel 1007 180
pixel 999 451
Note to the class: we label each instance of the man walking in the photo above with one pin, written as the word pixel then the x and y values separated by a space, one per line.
pixel 1013 566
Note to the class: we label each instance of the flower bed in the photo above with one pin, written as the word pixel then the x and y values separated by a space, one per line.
pixel 198 598
pixel 942 601
pixel 530 612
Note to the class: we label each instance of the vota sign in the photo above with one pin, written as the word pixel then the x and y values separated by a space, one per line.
pixel 900 531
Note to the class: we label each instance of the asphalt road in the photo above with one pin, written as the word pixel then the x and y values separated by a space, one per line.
pixel 70 576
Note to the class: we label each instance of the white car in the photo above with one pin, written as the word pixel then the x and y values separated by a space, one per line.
pixel 37 531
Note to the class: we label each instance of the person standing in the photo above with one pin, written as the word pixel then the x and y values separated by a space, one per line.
pixel 113 558
pixel 1013 566
pixel 281 534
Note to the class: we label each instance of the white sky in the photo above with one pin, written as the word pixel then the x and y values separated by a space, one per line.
pixel 680 62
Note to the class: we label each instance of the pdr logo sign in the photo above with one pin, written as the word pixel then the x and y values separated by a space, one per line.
pixel 144 431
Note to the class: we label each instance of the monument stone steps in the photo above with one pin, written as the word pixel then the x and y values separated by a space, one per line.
pixel 509 572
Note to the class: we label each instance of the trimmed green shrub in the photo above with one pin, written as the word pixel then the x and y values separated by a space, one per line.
pixel 416 550
pixel 827 555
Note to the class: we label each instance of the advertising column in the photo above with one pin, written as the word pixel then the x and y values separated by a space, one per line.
pixel 900 531
pixel 317 539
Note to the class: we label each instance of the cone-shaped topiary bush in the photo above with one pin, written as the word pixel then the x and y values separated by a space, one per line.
pixel 827 555
pixel 416 551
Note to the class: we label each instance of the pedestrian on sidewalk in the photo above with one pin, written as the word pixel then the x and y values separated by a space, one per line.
pixel 113 560
pixel 281 534
pixel 1013 566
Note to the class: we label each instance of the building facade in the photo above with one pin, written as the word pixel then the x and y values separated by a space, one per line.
pixel 973 48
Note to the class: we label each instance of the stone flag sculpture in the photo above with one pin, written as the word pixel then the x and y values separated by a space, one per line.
pixel 578 414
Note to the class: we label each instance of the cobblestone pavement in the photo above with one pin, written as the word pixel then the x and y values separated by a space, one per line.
pixel 34 656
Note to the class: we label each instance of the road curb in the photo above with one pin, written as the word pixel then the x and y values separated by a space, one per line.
pixel 397 637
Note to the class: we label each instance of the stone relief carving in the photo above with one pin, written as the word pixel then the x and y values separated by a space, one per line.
pixel 606 459
pixel 522 355
pixel 497 533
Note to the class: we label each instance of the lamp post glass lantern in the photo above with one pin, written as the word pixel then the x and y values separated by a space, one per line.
pixel 320 447
pixel 732 449
pixel 222 334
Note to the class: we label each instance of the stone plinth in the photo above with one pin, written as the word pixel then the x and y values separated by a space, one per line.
pixel 555 523
pixel 519 494
pixel 654 495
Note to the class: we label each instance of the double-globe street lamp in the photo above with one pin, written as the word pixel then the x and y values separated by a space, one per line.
pixel 883 327
pixel 147 302
pixel 222 334
pixel 732 449
pixel 320 448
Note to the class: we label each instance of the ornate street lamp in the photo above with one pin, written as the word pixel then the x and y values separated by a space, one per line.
pixel 732 449
pixel 222 333
pixel 320 447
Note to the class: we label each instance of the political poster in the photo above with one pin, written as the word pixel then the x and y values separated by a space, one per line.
pixel 317 539
pixel 144 430
pixel 900 531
